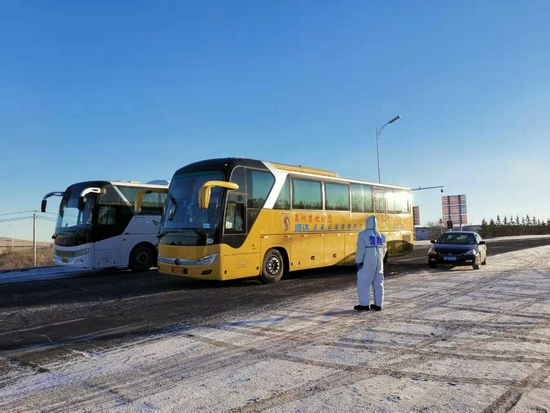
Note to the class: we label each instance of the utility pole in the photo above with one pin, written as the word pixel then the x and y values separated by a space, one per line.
pixel 34 239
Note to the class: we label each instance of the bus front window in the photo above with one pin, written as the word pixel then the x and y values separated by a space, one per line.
pixel 73 225
pixel 70 217
pixel 182 204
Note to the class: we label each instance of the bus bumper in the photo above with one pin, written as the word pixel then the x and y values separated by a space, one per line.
pixel 82 257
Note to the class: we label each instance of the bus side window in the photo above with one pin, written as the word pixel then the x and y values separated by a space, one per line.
pixel 107 215
pixel 234 216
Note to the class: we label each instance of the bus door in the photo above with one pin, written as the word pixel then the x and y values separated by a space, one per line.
pixel 239 260
pixel 235 218
pixel 107 237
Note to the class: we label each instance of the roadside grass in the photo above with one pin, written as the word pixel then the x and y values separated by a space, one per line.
pixel 23 258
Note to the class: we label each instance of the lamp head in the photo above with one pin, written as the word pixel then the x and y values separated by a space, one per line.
pixel 394 119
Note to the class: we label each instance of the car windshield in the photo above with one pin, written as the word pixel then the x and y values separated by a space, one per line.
pixel 460 239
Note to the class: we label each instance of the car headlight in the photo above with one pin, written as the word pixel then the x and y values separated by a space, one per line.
pixel 431 251
pixel 208 259
pixel 471 252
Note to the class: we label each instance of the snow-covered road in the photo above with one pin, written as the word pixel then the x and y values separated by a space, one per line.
pixel 446 341
pixel 42 274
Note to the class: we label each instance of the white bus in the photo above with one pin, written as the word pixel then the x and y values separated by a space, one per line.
pixel 108 224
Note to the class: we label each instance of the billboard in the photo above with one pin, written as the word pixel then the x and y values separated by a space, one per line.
pixel 454 209
pixel 416 215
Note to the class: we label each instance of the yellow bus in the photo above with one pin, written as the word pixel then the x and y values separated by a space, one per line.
pixel 236 218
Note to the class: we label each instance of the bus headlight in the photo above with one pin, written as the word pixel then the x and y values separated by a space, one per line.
pixel 81 252
pixel 208 260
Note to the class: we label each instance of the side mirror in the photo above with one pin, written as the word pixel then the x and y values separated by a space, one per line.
pixel 171 213
pixel 432 241
pixel 45 200
pixel 81 203
pixel 82 197
pixel 139 197
pixel 204 193
pixel 481 242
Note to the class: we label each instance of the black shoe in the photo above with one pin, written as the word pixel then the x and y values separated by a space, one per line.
pixel 375 307
pixel 361 307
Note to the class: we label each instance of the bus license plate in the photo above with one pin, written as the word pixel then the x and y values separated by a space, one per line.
pixel 449 258
pixel 177 270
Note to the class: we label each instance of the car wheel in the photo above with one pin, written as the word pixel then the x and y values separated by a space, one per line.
pixel 476 263
pixel 142 258
pixel 273 267
pixel 432 264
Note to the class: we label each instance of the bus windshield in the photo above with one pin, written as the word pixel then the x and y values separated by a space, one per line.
pixel 182 206
pixel 70 218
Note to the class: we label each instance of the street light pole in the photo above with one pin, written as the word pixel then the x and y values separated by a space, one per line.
pixel 11 237
pixel 432 187
pixel 428 187
pixel 378 132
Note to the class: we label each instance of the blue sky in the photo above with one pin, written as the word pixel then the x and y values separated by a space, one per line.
pixel 135 90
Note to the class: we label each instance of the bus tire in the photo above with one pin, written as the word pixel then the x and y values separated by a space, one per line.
pixel 142 258
pixel 273 267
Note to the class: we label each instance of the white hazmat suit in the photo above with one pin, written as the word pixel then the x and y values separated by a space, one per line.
pixel 371 249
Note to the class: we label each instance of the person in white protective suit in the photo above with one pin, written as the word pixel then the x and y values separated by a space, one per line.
pixel 371 249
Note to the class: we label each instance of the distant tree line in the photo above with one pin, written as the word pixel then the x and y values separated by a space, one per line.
pixel 509 226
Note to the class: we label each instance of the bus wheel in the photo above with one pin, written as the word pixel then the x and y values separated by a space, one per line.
pixel 273 267
pixel 142 258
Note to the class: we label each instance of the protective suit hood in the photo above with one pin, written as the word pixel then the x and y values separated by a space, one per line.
pixel 371 223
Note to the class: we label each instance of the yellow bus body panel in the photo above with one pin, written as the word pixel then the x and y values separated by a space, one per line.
pixel 306 239
pixel 231 264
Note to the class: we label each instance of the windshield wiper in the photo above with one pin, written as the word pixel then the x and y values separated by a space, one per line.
pixel 200 232
pixel 80 237
pixel 169 231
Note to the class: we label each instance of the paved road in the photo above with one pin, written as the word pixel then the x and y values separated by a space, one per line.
pixel 41 319
pixel 447 340
pixel 418 259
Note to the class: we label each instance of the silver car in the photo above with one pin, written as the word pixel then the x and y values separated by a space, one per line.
pixel 455 248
